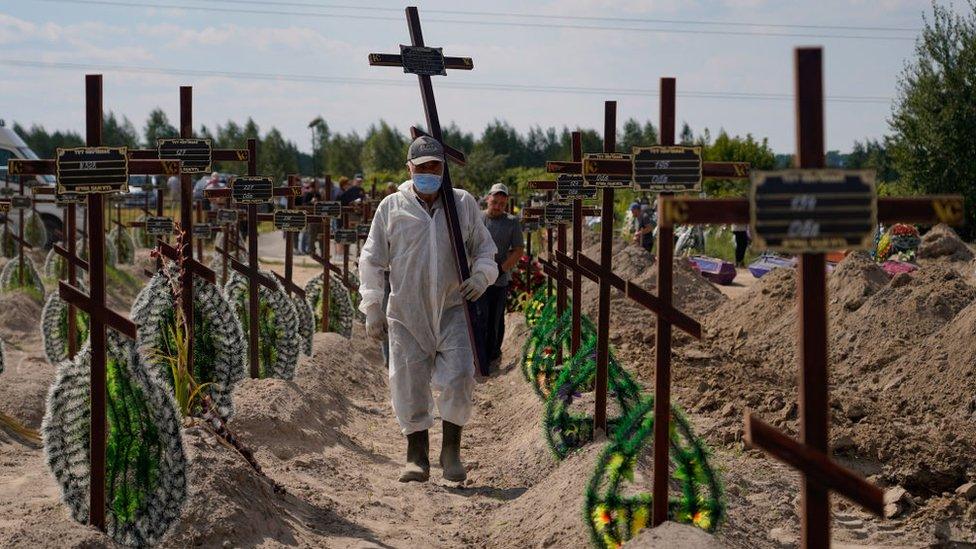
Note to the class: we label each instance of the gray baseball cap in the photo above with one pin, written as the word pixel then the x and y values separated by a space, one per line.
pixel 425 149
pixel 498 188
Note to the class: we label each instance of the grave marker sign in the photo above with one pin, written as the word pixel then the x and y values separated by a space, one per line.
pixel 667 169
pixel 196 154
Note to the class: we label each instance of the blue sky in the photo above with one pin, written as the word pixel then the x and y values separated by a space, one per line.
pixel 585 48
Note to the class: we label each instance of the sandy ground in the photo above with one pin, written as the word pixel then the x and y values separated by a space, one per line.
pixel 330 439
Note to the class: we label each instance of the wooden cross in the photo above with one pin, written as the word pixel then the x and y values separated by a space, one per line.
pixel 101 317
pixel 251 270
pixel 812 455
pixel 425 62
pixel 184 256
pixel 294 189
pixel 19 237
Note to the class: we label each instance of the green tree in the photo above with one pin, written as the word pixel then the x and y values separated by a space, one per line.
pixel 385 149
pixel 873 154
pixel 45 144
pixel 457 138
pixel 277 157
pixel 726 148
pixel 934 118
pixel 502 139
pixel 157 127
pixel 632 136
pixel 687 137
pixel 342 155
pixel 483 169
pixel 116 133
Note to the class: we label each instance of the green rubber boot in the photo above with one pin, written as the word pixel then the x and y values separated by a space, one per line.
pixel 451 454
pixel 417 468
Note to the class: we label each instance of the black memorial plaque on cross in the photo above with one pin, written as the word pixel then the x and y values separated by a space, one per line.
pixel 806 211
pixel 92 170
pixel 570 186
pixel 344 236
pixel 667 169
pixel 203 231
pixel 596 175
pixel 196 154
pixel 290 220
pixel 252 190
pixel 21 202
pixel 331 209
pixel 227 215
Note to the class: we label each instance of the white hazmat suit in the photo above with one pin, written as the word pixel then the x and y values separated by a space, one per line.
pixel 428 334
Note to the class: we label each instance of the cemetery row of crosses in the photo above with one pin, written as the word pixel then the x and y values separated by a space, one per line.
pixel 172 374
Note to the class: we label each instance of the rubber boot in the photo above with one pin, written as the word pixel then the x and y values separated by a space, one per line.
pixel 451 453
pixel 417 468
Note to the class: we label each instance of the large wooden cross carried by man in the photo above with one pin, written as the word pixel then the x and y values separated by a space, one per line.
pixel 426 62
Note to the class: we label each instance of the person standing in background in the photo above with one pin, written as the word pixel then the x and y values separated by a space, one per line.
pixel 741 234
pixel 506 232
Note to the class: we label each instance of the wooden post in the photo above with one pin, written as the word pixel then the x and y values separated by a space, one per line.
pixel 606 259
pixel 327 256
pixel 662 369
pixel 577 249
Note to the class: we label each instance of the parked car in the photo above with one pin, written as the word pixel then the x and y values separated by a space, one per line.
pixel 13 147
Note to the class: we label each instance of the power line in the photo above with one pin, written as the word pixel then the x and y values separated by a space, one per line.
pixel 547 16
pixel 248 11
pixel 489 86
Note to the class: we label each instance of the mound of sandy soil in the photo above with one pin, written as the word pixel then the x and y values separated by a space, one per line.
pixel 943 243
pixel 21 315
pixel 672 535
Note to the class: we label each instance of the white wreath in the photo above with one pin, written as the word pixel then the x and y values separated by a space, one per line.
pixel 54 325
pixel 154 305
pixel 66 441
pixel 9 276
pixel 122 244
pixel 339 295
pixel 288 342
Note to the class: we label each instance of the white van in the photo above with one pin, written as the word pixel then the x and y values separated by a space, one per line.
pixel 13 147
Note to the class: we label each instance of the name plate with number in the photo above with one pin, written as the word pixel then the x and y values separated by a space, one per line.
pixel 196 154
pixel 329 209
pixel 569 186
pixel 4 206
pixel 362 230
pixel 597 174
pixel 159 226
pixel 667 169
pixel 422 60
pixel 556 213
pixel 252 190
pixel 63 199
pixel 812 211
pixel 225 215
pixel 92 170
pixel 344 236
pixel 21 202
pixel 203 230
pixel 290 220
pixel 531 225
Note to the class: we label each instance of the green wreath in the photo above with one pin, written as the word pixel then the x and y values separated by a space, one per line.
pixel 10 276
pixel 145 471
pixel 218 338
pixel 123 244
pixel 340 304
pixel 142 238
pixel 54 327
pixel 566 430
pixel 279 343
pixel 355 297
pixel 613 517
pixel 539 352
pixel 55 267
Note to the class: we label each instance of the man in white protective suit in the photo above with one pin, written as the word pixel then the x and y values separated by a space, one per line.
pixel 424 319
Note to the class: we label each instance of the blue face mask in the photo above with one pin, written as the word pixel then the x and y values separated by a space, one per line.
pixel 426 183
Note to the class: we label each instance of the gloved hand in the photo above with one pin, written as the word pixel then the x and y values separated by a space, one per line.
pixel 376 327
pixel 472 288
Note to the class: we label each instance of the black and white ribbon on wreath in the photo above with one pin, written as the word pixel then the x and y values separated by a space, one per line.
pixel 10 278
pixel 339 301
pixel 54 326
pixel 306 323
pixel 125 247
pixel 152 311
pixel 141 507
pixel 287 342
pixel 111 255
